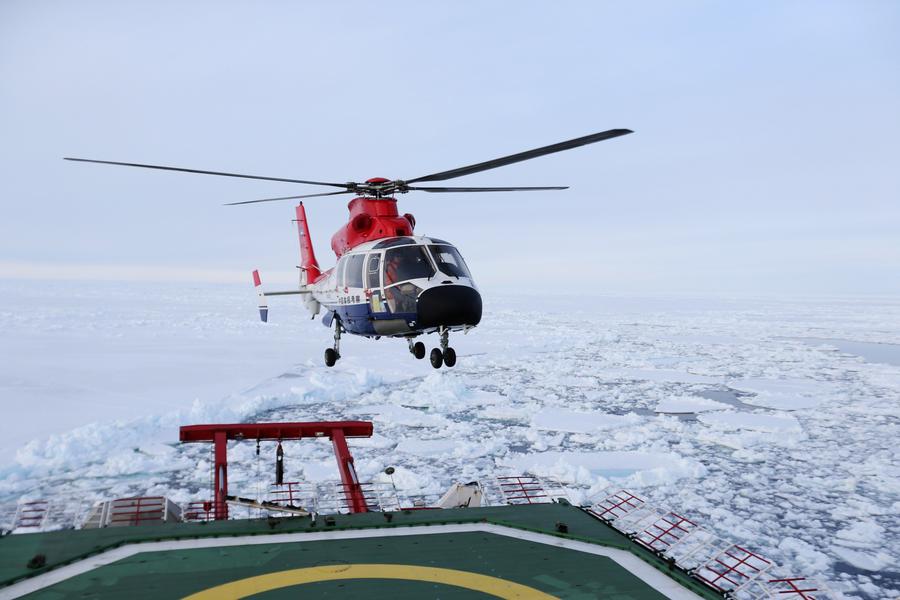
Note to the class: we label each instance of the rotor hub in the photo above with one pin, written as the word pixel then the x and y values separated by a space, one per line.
pixel 378 187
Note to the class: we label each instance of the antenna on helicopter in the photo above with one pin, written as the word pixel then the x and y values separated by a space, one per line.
pixel 379 187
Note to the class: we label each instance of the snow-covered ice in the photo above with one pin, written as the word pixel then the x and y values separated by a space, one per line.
pixel 789 447
pixel 580 422
pixel 783 393
pixel 688 404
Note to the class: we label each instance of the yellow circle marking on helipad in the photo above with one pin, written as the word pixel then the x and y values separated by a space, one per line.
pixel 494 586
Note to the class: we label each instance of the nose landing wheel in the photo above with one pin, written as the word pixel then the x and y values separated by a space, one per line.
pixel 445 355
pixel 450 357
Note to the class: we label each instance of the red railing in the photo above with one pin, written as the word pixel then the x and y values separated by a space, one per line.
pixel 350 492
pixel 619 504
pixel 789 587
pixel 732 568
pixel 668 530
pixel 31 514
pixel 199 510
pixel 289 494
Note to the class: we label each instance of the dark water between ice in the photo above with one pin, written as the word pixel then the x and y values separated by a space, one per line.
pixel 873 352
pixel 728 396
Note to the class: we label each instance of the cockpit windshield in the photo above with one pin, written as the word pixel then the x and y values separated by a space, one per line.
pixel 449 261
pixel 404 263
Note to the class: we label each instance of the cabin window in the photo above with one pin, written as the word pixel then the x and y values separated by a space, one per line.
pixel 405 263
pixel 373 271
pixel 449 261
pixel 353 276
pixel 339 276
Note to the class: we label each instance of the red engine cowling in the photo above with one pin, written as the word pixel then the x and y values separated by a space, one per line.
pixel 371 219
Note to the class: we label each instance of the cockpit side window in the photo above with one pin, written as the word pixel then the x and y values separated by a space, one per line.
pixel 339 272
pixel 404 263
pixel 373 271
pixel 354 274
pixel 449 261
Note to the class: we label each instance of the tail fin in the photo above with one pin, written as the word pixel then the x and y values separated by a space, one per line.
pixel 263 305
pixel 308 263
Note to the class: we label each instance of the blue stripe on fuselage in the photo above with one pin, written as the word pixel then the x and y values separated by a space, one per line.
pixel 358 318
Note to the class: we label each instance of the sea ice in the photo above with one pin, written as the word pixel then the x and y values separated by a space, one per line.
pixel 96 379
pixel 581 422
pixel 689 404
pixel 753 421
pixel 785 394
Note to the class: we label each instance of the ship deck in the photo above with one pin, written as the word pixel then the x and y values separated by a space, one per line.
pixel 505 551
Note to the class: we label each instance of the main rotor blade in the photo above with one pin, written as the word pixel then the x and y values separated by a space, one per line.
pixel 529 154
pixel 487 189
pixel 289 198
pixel 162 168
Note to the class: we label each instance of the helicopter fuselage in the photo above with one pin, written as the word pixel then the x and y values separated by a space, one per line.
pixel 387 281
pixel 399 286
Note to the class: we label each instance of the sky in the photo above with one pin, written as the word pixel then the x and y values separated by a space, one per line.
pixel 765 158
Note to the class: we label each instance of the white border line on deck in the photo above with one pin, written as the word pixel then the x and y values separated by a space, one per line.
pixel 643 571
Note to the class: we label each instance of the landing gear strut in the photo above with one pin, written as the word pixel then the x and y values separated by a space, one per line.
pixel 445 355
pixel 333 354
pixel 416 349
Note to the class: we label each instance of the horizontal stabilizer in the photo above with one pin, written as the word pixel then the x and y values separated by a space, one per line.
pixel 263 304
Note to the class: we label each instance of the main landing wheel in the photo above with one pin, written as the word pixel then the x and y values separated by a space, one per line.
pixel 330 357
pixel 450 357
pixel 437 358
pixel 419 350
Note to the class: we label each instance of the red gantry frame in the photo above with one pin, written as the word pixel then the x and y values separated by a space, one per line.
pixel 336 431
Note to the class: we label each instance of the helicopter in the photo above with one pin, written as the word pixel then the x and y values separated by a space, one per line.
pixel 388 282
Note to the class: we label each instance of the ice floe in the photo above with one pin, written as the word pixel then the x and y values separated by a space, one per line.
pixel 786 394
pixel 689 404
pixel 581 422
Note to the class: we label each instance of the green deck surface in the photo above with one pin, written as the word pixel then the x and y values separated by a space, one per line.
pixel 556 571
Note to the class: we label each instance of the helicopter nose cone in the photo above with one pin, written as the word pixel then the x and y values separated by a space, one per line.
pixel 449 305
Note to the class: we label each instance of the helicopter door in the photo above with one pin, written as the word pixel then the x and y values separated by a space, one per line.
pixel 373 283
